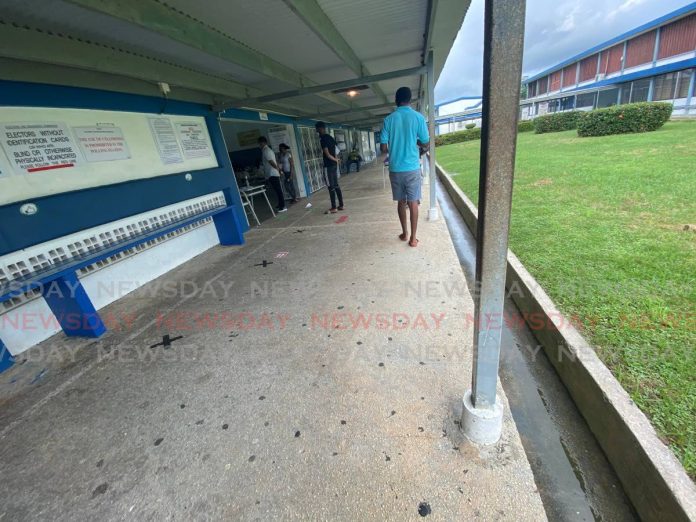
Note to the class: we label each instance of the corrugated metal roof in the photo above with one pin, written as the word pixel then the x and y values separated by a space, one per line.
pixel 378 30
pixel 267 26
pixel 386 35
pixel 61 17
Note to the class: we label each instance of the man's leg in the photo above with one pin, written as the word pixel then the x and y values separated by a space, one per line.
pixel 275 182
pixel 413 195
pixel 358 164
pixel 413 207
pixel 333 178
pixel 339 193
pixel 333 184
pixel 401 210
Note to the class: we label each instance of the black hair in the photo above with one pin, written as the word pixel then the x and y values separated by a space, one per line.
pixel 283 146
pixel 403 95
pixel 262 139
pixel 320 125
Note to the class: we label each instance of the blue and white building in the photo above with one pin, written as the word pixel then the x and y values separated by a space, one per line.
pixel 653 62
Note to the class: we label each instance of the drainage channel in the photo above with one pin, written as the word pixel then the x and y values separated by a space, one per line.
pixel 575 480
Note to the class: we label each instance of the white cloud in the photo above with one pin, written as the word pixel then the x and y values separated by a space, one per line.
pixel 555 31
pixel 626 6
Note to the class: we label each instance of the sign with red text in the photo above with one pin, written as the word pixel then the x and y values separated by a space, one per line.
pixel 39 146
pixel 102 143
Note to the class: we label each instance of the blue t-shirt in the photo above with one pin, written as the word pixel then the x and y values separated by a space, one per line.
pixel 401 129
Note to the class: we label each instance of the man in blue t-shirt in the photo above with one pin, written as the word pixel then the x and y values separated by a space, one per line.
pixel 404 135
pixel 328 149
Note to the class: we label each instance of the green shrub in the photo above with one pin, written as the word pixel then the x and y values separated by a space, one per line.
pixel 525 125
pixel 622 119
pixel 469 125
pixel 556 122
pixel 458 137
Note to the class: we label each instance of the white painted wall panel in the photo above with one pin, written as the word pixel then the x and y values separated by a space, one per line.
pixel 33 322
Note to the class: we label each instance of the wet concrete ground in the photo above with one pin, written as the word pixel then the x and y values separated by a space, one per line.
pixel 575 480
pixel 323 384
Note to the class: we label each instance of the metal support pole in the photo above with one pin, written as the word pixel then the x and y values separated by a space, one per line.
pixel 432 211
pixel 502 69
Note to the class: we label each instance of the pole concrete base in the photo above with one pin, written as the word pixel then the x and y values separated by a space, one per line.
pixel 482 426
pixel 433 214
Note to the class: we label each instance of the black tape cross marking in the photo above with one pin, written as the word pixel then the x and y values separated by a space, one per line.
pixel 167 341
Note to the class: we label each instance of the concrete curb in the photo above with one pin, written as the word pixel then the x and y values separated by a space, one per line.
pixel 651 475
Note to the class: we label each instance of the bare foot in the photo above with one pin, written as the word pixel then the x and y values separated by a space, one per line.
pixel 413 242
pixel 403 236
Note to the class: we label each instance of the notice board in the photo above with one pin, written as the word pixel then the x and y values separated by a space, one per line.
pixel 50 150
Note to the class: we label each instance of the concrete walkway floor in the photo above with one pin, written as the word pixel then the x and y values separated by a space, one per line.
pixel 324 386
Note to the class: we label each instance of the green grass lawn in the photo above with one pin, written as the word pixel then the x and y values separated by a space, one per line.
pixel 600 223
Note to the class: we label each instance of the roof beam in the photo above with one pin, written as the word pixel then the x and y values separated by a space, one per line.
pixel 316 19
pixel 27 44
pixel 166 21
pixel 427 41
pixel 368 117
pixel 345 84
pixel 376 119
pixel 355 109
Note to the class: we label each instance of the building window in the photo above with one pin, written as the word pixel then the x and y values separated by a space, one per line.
pixel 683 84
pixel 664 87
pixel 625 93
pixel 585 100
pixel 568 103
pixel 641 88
pixel 607 98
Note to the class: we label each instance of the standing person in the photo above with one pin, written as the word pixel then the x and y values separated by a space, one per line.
pixel 328 147
pixel 354 157
pixel 287 168
pixel 272 171
pixel 404 132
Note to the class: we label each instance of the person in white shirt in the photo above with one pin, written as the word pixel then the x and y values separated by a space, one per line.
pixel 272 171
pixel 286 166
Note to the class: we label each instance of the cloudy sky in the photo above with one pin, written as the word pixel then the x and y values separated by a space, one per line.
pixel 554 30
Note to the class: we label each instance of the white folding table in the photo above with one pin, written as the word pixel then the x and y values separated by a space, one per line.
pixel 248 194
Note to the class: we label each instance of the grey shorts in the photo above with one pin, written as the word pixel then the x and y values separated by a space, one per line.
pixel 406 186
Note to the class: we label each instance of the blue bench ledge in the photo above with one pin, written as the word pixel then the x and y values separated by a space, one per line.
pixel 64 294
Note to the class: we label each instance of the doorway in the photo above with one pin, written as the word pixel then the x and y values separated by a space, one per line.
pixel 241 138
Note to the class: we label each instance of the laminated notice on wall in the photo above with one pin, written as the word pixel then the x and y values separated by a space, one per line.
pixel 102 143
pixel 38 146
pixel 194 139
pixel 278 135
pixel 165 139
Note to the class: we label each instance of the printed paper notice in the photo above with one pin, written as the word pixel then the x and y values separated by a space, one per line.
pixel 276 136
pixel 102 143
pixel 165 139
pixel 37 146
pixel 194 139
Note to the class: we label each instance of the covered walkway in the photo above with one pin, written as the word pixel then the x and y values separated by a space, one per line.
pixel 324 385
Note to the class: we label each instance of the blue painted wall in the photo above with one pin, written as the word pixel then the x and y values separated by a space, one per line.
pixel 69 212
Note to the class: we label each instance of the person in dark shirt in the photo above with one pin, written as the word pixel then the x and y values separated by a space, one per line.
pixel 328 148
pixel 354 157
